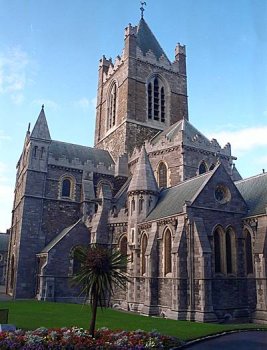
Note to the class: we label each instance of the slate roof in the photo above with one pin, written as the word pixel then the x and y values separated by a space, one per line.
pixel 254 192
pixel 143 178
pixel 40 129
pixel 172 199
pixel 190 136
pixel 59 237
pixel 4 239
pixel 71 151
pixel 189 133
pixel 147 41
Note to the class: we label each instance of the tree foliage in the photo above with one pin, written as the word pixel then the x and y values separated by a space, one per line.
pixel 101 269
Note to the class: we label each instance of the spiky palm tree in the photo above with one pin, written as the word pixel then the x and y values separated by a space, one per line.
pixel 101 269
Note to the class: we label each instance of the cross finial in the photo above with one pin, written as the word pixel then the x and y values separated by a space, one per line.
pixel 142 8
pixel 42 106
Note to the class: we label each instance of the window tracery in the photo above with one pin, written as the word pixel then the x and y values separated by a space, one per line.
pixel 112 106
pixel 167 252
pixel 162 175
pixel 156 100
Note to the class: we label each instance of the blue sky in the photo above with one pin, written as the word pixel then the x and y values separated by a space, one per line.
pixel 49 53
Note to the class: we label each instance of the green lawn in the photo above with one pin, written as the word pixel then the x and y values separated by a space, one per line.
pixel 33 314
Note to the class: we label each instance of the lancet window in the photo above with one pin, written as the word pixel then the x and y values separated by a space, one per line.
pixel 156 100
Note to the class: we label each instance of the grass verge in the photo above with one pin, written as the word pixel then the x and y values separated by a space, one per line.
pixel 33 314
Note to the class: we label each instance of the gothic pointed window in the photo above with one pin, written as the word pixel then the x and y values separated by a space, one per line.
pixel 162 105
pixel 123 247
pixel 167 252
pixel 217 251
pixel 230 250
pixel 248 253
pixel 66 185
pixel 202 168
pixel 143 253
pixel 141 204
pixel 156 100
pixel 132 206
pixel 162 175
pixel 112 106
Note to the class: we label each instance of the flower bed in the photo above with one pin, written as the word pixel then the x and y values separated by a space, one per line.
pixel 78 338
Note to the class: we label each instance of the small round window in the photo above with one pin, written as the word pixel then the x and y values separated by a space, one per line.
pixel 222 194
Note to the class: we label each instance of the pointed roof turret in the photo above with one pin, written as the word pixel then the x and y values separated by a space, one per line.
pixel 143 178
pixel 147 41
pixel 40 130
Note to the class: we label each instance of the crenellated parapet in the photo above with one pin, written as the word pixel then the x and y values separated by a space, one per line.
pixel 110 67
pixel 130 30
pixel 77 164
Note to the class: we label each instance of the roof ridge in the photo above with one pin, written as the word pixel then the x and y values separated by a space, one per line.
pixel 59 237
pixel 74 144
pixel 121 190
pixel 192 178
pixel 251 177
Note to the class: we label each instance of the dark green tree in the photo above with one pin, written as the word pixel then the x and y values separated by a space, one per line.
pixel 101 269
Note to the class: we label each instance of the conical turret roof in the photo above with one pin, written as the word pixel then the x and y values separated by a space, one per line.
pixel 143 178
pixel 40 130
pixel 147 41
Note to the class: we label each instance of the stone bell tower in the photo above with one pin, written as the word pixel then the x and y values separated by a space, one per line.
pixel 140 93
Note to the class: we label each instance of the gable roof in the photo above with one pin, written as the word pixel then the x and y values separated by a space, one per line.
pixel 254 192
pixel 147 41
pixel 59 237
pixel 189 136
pixel 172 200
pixel 71 151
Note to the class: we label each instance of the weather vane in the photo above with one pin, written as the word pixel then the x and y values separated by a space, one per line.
pixel 142 8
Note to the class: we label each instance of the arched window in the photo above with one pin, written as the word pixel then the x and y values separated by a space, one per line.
pixel 66 188
pixel 141 204
pixel 156 100
pixel 35 150
pixel 248 253
pixel 123 248
pixel 167 252
pixel 132 206
pixel 202 168
pixel 162 175
pixel 76 266
pixel 42 152
pixel 217 251
pixel 229 248
pixel 143 253
pixel 12 272
pixel 112 106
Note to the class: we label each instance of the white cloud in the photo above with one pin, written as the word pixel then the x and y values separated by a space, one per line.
pixel 47 103
pixel 3 136
pixel 242 140
pixel 14 70
pixel 93 102
pixel 6 197
pixel 85 103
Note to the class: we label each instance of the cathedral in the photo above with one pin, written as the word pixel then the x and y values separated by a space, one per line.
pixel 155 188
